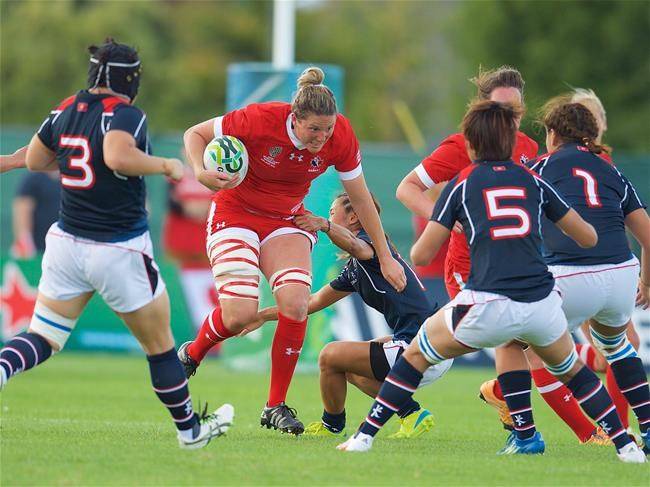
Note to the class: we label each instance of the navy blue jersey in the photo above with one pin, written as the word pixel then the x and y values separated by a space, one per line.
pixel 600 194
pixel 96 202
pixel 500 206
pixel 404 312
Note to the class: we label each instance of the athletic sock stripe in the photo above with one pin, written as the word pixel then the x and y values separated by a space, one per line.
pixel 399 384
pixel 52 323
pixel 519 411
pixel 590 394
pixel 186 418
pixel 634 406
pixel 185 401
pixel 549 387
pixel 171 389
pixel 640 384
pixel 390 406
pixel 373 423
pixel 605 413
pixel 517 393
pixel 11 368
pixel 212 327
pixel 617 434
pixel 20 355
pixel 23 339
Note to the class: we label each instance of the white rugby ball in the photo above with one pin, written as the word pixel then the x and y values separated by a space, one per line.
pixel 226 154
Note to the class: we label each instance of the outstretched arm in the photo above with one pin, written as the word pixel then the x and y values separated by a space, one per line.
pixel 365 209
pixel 324 297
pixel 13 161
pixel 340 236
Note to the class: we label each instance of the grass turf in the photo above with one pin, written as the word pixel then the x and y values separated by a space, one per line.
pixel 94 420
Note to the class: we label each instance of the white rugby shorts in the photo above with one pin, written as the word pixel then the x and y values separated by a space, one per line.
pixel 605 293
pixel 123 273
pixel 479 319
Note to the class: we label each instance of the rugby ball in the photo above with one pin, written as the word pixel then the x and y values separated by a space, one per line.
pixel 226 154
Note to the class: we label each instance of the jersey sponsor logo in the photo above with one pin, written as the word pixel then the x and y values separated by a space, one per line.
pixel 315 164
pixel 82 106
pixel 275 151
pixel 293 156
pixel 220 225
pixel 499 168
pixel 523 159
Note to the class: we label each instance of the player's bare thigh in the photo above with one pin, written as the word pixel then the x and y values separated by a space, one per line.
pixel 346 357
pixel 150 325
pixel 291 253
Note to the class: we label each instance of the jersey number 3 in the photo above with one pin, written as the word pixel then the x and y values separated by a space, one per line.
pixel 590 187
pixel 79 162
pixel 498 211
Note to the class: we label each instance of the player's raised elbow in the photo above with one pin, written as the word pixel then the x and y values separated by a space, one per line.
pixel 403 191
pixel 419 256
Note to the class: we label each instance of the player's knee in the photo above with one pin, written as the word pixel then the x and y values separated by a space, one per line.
pixel 327 357
pixel 567 368
pixel 613 347
pixel 293 305
pixel 237 319
pixel 53 327
pixel 295 309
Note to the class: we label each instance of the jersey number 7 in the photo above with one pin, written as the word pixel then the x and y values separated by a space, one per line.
pixel 497 211
pixel 79 162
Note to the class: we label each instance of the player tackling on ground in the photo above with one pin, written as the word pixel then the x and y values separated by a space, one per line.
pixel 509 293
pixel 364 364
pixel 98 140
pixel 251 229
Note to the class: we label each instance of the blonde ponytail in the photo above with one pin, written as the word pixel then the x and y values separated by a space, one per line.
pixel 313 97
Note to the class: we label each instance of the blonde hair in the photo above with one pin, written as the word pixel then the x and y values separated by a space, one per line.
pixel 590 100
pixel 573 122
pixel 313 97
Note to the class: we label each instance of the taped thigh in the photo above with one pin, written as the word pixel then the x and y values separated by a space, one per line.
pixel 235 262
pixel 51 326
pixel 290 275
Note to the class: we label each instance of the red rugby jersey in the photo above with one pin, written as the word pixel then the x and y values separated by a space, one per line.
pixel 280 168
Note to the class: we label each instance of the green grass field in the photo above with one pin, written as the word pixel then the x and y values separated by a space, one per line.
pixel 94 420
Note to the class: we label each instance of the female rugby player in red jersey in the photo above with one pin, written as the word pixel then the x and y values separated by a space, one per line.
pixel 251 229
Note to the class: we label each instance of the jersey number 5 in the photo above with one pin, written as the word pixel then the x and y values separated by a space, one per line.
pixel 80 162
pixel 497 211
pixel 589 185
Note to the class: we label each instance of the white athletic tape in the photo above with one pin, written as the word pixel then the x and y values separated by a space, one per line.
pixel 238 287
pixel 234 255
pixel 51 325
pixel 291 275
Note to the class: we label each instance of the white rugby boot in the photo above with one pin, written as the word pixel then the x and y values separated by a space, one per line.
pixel 359 442
pixel 212 426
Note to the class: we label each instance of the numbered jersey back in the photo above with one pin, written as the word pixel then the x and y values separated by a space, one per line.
pixel 499 205
pixel 96 202
pixel 602 196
